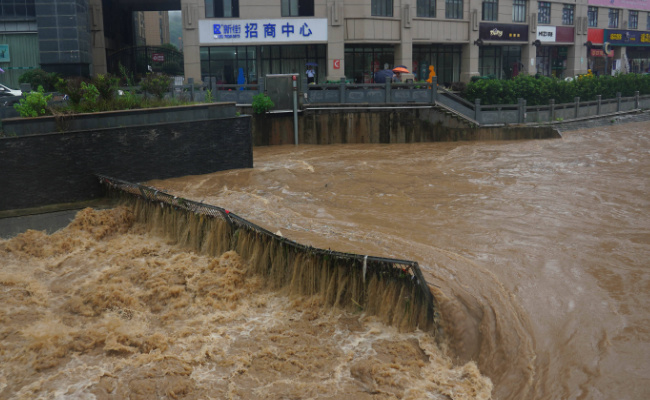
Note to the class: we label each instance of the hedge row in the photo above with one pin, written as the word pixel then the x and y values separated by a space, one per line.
pixel 538 90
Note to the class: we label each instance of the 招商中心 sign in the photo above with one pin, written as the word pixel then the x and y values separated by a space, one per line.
pixel 266 31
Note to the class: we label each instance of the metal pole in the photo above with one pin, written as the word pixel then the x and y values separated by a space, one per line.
pixel 295 109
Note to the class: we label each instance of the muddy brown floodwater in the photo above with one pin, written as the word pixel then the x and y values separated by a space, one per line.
pixel 537 251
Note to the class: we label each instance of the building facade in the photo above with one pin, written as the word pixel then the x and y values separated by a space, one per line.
pixel 354 39
pixel 244 40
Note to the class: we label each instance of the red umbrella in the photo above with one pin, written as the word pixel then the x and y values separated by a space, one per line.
pixel 401 70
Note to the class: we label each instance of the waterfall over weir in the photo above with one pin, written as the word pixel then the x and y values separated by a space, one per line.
pixel 391 289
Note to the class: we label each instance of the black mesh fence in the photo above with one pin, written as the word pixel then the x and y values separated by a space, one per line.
pixel 408 272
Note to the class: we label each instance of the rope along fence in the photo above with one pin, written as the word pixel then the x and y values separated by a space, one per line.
pixel 392 289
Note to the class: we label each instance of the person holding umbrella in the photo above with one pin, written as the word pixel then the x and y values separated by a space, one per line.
pixel 311 74
pixel 399 70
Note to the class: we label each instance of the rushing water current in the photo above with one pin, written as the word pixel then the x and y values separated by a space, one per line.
pixel 538 253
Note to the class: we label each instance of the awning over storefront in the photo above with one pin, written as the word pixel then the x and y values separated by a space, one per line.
pixel 595 36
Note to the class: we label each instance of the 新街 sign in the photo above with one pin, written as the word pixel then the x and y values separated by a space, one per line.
pixel 266 31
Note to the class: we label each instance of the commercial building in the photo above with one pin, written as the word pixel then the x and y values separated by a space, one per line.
pixel 233 40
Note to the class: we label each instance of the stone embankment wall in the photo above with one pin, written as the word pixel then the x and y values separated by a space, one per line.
pixel 44 169
pixel 363 124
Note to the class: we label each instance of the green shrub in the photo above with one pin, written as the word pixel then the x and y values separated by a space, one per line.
pixel 33 104
pixel 38 77
pixel 106 86
pixel 72 88
pixel 128 101
pixel 538 90
pixel 90 94
pixel 156 84
pixel 262 103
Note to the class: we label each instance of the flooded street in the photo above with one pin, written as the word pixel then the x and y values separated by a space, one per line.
pixel 538 253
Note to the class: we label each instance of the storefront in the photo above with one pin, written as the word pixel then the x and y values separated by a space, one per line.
pixel 362 61
pixel 500 49
pixel 637 45
pixel 243 51
pixel 444 58
pixel 598 61
pixel 552 43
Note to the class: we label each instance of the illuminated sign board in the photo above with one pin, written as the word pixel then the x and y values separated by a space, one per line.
pixel 503 32
pixel 619 37
pixel 262 31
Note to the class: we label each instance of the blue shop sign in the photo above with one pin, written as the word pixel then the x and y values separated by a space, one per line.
pixel 618 37
pixel 270 31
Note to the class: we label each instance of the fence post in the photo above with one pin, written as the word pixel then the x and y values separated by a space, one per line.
pixel 524 115
pixel 260 86
pixel 598 99
pixel 477 110
pixel 434 89
pixel 551 108
pixel 576 100
pixel 520 112
pixel 618 101
pixel 636 99
pixel 190 81
pixel 387 92
pixel 342 91
pixel 213 85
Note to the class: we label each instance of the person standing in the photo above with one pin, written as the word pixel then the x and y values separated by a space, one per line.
pixel 310 74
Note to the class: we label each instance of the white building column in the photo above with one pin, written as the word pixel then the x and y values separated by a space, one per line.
pixel 335 40
pixel 191 11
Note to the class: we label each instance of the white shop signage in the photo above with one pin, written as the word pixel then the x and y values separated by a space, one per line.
pixel 266 31
pixel 546 33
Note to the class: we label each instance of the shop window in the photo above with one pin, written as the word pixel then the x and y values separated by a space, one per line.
pixel 592 16
pixel 382 8
pixel 222 8
pixel 489 61
pixel 454 9
pixel 17 10
pixel 227 63
pixel 613 18
pixel 633 21
pixel 445 59
pixel 426 8
pixel 567 14
pixel 544 12
pixel 280 59
pixel 490 10
pixel 647 22
pixel 361 62
pixel 519 10
pixel 297 8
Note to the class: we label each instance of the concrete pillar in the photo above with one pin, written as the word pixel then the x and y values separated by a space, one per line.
pixel 192 11
pixel 577 60
pixel 529 57
pixel 336 40
pixel 97 43
pixel 470 51
pixel 469 62
pixel 404 50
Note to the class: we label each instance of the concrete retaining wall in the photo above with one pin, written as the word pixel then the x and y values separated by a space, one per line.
pixel 116 119
pixel 54 168
pixel 364 124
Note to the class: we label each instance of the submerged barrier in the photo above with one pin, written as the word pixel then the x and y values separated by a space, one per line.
pixel 391 289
